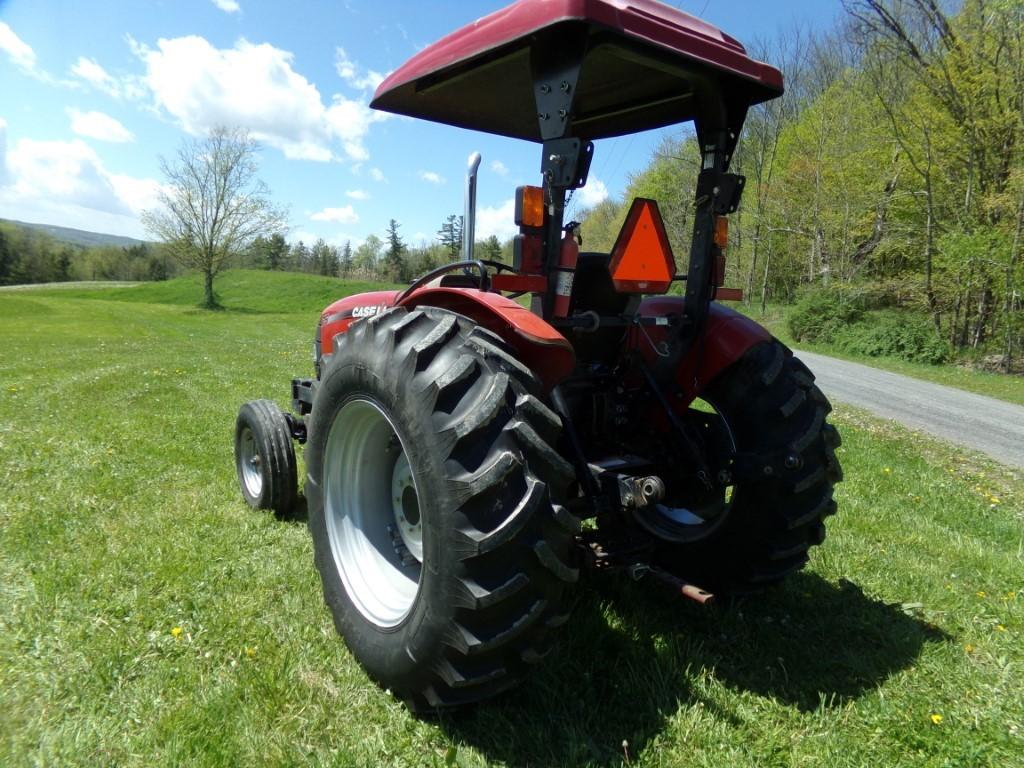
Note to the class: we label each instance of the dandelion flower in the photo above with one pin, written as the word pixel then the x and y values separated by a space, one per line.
pixel 887 471
pixel 981 594
pixel 176 632
pixel 936 718
pixel 250 651
pixel 969 648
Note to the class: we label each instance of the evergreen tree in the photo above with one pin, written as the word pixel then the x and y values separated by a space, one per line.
pixel 324 258
pixel 277 252
pixel 491 248
pixel 6 258
pixel 345 262
pixel 299 256
pixel 63 266
pixel 450 236
pixel 395 256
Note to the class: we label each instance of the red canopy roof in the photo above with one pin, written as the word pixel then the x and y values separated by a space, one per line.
pixel 644 66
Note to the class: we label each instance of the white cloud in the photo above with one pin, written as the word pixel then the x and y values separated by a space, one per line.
pixel 125 87
pixel 90 71
pixel 344 215
pixel 497 220
pixel 228 6
pixel 593 194
pixel 24 58
pixel 253 87
pixel 432 177
pixel 66 171
pixel 358 194
pixel 378 175
pixel 97 125
pixel 65 182
pixel 338 239
pixel 18 51
pixel 351 74
pixel 499 168
pixel 138 194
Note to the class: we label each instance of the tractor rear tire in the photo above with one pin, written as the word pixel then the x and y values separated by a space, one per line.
pixel 432 488
pixel 265 457
pixel 773 409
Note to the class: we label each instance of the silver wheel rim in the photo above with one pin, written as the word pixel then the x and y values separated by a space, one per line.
pixel 250 463
pixel 371 508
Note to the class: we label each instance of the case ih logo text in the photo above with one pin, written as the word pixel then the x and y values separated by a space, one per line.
pixel 366 311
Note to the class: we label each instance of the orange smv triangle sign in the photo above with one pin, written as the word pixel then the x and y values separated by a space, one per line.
pixel 642 260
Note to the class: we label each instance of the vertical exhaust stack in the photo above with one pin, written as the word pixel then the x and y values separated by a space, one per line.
pixel 469 220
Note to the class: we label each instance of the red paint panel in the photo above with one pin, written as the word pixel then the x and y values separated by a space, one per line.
pixel 480 77
pixel 727 336
pixel 342 313
pixel 647 20
pixel 538 345
pixel 728 294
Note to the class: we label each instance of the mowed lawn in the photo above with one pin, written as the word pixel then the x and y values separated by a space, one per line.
pixel 148 617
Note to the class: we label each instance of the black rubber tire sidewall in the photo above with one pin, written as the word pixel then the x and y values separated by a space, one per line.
pixel 427 659
pixel 278 468
pixel 395 663
pixel 769 400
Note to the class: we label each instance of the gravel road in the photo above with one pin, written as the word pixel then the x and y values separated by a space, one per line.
pixel 978 422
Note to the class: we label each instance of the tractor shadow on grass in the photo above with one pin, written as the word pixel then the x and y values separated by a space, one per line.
pixel 298 514
pixel 633 656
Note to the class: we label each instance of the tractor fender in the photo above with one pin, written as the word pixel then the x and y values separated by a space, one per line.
pixel 536 343
pixel 337 317
pixel 726 336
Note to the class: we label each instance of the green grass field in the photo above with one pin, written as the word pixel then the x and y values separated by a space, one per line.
pixel 148 617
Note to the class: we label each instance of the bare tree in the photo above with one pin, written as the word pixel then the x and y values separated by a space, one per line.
pixel 213 205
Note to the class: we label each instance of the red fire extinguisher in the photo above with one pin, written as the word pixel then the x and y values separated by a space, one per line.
pixel 566 271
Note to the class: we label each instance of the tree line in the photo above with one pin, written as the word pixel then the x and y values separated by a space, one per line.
pixel 890 172
pixel 30 256
pixel 383 259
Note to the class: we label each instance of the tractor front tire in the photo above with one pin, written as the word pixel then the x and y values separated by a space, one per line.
pixel 265 457
pixel 432 488
pixel 773 409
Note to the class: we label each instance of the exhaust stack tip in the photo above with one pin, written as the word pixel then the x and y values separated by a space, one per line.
pixel 469 220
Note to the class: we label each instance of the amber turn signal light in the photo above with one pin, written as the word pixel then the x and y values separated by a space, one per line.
pixel 529 207
pixel 642 260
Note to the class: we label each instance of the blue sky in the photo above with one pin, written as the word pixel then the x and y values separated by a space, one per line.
pixel 91 94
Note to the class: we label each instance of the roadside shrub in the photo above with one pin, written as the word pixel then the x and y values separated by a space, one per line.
pixel 894 335
pixel 820 316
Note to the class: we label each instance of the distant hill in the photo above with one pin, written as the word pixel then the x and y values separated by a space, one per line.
pixel 78 237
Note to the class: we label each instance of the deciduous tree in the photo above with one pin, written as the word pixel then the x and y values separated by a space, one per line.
pixel 213 205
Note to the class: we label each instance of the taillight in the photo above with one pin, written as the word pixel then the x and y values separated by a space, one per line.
pixel 530 207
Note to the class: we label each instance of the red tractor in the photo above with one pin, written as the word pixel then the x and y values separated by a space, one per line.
pixel 467 458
